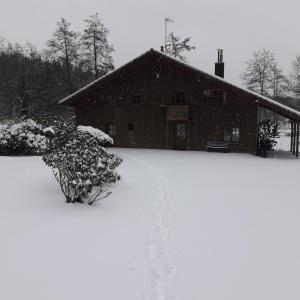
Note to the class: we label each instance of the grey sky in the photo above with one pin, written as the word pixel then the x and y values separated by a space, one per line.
pixel 238 27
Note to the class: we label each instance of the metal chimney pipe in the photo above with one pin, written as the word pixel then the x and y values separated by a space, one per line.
pixel 220 66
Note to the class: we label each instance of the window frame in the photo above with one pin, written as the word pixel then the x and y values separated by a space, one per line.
pixel 233 135
pixel 214 95
pixel 137 100
pixel 111 127
pixel 130 126
pixel 180 98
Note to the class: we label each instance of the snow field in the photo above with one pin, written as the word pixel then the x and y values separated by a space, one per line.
pixel 179 225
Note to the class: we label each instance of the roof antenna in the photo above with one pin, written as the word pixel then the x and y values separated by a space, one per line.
pixel 167 20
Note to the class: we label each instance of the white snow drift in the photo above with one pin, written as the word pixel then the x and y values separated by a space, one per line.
pixel 179 225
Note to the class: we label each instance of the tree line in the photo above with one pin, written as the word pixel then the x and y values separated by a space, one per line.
pixel 264 76
pixel 32 80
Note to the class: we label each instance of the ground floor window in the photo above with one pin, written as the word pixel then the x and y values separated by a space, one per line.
pixel 110 129
pixel 232 134
pixel 181 130
pixel 130 126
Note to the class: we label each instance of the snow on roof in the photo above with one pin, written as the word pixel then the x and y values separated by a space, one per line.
pixel 281 106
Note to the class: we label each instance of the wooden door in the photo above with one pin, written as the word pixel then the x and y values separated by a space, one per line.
pixel 180 136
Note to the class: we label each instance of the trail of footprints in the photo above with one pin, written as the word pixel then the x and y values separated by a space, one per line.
pixel 162 273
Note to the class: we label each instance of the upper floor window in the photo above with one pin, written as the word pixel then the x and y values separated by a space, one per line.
pixel 214 95
pixel 137 99
pixel 232 135
pixel 180 98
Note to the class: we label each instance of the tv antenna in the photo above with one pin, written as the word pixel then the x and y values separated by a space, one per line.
pixel 167 20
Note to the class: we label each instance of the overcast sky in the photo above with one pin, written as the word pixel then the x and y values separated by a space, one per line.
pixel 238 26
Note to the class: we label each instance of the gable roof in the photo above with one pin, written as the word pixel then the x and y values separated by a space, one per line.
pixel 266 102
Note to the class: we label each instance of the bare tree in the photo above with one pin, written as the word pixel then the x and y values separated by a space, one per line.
pixel 176 46
pixel 279 83
pixel 97 51
pixel 258 74
pixel 295 76
pixel 64 46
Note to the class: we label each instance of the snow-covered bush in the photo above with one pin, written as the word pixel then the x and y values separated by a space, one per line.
pixel 268 131
pixel 102 137
pixel 24 137
pixel 62 127
pixel 82 166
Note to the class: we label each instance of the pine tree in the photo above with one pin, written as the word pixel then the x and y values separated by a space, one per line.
pixel 64 47
pixel 176 46
pixel 97 51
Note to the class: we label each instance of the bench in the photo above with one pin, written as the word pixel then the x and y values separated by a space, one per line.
pixel 217 146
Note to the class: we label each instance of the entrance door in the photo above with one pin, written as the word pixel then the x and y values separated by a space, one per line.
pixel 180 136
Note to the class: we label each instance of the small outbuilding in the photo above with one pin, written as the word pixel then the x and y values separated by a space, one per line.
pixel 156 101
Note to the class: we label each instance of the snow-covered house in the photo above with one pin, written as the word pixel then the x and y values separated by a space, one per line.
pixel 156 101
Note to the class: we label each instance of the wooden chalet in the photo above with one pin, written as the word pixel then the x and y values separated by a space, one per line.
pixel 156 101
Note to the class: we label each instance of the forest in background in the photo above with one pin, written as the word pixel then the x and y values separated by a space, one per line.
pixel 32 81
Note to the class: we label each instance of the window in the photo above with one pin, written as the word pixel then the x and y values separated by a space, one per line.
pixel 235 135
pixel 136 99
pixel 110 129
pixel 227 134
pixel 181 130
pixel 232 135
pixel 180 98
pixel 214 95
pixel 218 96
pixel 206 96
pixel 130 126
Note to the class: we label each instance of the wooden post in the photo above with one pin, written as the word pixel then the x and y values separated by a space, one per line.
pixel 297 140
pixel 257 128
pixel 294 139
pixel 292 128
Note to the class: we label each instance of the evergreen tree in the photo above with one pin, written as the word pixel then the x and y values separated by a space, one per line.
pixel 268 132
pixel 176 46
pixel 64 47
pixel 97 51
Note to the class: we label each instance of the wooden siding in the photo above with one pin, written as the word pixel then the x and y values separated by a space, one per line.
pixel 143 92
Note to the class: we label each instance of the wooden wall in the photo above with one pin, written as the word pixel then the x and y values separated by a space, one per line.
pixel 156 79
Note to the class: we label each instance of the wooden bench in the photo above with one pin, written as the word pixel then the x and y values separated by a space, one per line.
pixel 218 146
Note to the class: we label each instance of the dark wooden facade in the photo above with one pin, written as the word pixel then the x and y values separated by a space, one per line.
pixel 158 102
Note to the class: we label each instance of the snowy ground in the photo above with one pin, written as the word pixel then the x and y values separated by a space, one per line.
pixel 180 225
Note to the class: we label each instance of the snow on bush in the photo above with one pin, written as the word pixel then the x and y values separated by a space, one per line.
pixel 82 166
pixel 22 138
pixel 63 128
pixel 97 133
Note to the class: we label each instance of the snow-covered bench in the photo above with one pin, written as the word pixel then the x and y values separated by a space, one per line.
pixel 218 146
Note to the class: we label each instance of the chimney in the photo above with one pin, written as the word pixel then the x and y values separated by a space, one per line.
pixel 219 66
pixel 162 49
